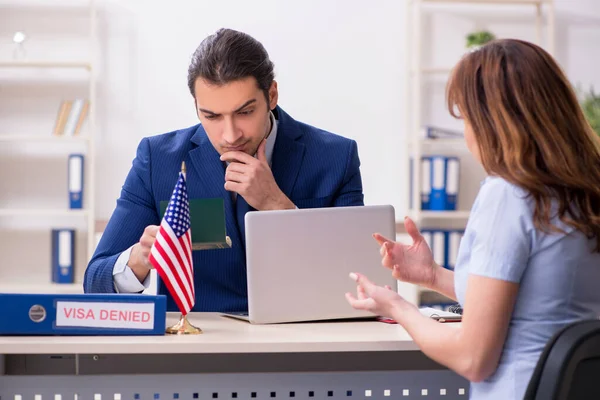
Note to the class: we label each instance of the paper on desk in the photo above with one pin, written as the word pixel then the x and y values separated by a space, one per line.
pixel 431 312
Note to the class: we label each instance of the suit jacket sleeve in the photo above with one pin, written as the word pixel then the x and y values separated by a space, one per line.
pixel 351 191
pixel 135 210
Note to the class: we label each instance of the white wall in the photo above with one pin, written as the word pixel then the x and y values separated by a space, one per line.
pixel 338 65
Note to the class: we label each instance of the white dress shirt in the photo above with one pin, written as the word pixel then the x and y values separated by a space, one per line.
pixel 125 280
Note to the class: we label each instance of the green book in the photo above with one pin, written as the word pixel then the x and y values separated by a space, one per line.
pixel 207 218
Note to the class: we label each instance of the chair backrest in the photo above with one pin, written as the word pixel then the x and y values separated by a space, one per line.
pixel 569 367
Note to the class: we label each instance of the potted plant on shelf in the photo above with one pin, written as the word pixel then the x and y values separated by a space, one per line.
pixel 590 103
pixel 478 39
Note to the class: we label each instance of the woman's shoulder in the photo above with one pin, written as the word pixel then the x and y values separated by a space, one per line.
pixel 499 191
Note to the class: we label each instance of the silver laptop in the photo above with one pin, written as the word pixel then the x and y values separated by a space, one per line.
pixel 298 261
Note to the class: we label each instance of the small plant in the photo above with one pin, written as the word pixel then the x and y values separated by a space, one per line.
pixel 590 103
pixel 480 38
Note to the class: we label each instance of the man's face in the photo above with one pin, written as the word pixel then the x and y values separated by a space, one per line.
pixel 235 116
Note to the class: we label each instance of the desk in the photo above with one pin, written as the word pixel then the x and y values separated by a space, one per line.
pixel 231 360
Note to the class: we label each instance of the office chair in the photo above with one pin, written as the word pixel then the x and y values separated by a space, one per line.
pixel 569 367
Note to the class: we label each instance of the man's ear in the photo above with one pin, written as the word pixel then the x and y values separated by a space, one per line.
pixel 273 95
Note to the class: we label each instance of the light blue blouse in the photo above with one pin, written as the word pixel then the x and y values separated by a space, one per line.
pixel 558 274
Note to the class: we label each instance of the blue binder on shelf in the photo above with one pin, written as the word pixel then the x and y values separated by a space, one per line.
pixel 426 175
pixel 75 179
pixel 444 245
pixel 63 255
pixel 440 182
pixel 452 182
pixel 82 314
pixel 453 239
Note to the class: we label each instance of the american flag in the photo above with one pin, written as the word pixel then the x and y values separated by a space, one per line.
pixel 171 253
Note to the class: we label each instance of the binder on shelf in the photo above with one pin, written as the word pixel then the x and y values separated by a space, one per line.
pixel 82 116
pixel 61 118
pixel 82 314
pixel 439 248
pixel 440 183
pixel 444 245
pixel 75 178
pixel 76 117
pixel 63 256
pixel 426 183
pixel 454 238
pixel 452 182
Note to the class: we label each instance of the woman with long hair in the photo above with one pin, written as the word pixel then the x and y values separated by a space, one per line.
pixel 529 261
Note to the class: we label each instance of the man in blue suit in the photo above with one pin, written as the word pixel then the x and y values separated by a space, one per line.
pixel 246 150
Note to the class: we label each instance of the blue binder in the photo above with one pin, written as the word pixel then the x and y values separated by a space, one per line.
pixel 75 178
pixel 452 182
pixel 63 255
pixel 440 183
pixel 82 314
pixel 453 239
pixel 444 245
pixel 426 178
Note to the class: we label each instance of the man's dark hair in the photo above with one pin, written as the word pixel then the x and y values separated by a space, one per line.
pixel 229 55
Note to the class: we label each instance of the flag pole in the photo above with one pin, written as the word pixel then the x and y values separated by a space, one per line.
pixel 183 326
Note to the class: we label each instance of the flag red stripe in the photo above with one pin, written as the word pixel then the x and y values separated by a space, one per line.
pixel 169 278
pixel 189 272
pixel 184 270
pixel 167 282
pixel 172 267
pixel 188 253
pixel 185 267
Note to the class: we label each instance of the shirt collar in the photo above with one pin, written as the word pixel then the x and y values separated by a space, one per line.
pixel 270 145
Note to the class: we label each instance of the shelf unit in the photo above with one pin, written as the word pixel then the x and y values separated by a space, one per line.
pixel 542 12
pixel 88 10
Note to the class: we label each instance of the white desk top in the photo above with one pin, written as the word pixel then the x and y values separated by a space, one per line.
pixel 226 335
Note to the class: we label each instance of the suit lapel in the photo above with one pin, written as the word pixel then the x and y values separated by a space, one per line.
pixel 288 153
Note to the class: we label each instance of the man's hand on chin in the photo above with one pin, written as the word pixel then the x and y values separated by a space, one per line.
pixel 252 179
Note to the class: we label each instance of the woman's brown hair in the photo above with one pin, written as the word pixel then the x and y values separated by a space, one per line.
pixel 531 131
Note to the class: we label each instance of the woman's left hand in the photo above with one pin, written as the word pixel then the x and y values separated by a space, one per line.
pixel 376 299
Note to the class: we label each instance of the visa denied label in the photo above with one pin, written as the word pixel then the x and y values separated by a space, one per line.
pixel 105 315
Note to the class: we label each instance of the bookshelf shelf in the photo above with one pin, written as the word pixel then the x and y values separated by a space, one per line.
pixel 46 64
pixel 42 212
pixel 41 138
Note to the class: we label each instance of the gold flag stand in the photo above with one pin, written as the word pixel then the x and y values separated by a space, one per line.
pixel 183 327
